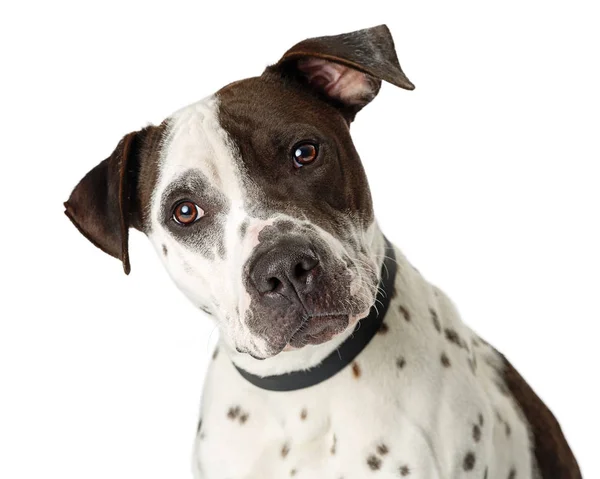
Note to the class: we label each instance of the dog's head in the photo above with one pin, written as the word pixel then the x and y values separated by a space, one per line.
pixel 255 198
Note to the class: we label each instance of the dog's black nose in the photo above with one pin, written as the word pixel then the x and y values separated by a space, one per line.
pixel 288 268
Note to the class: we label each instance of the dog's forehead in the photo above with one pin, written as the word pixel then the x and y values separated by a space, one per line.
pixel 196 141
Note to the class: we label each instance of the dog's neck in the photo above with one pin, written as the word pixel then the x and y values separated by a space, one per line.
pixel 310 355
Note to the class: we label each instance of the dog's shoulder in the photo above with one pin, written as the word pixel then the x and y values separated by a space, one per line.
pixel 554 456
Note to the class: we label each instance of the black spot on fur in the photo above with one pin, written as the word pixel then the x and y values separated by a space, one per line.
pixel 480 419
pixel 244 228
pixel 383 328
pixel 356 370
pixel 476 433
pixel 469 461
pixel 164 250
pixel 404 312
pixel 334 445
pixel 435 320
pixel 303 414
pixel 454 338
pixel 215 353
pixel 512 474
pixel 400 363
pixel 293 472
pixel 374 462
pixel 404 471
pixel 473 364
pixel 382 449
pixel 445 360
pixel 285 450
pixel 233 412
pixel 244 418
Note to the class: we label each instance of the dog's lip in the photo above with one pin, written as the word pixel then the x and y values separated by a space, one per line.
pixel 318 328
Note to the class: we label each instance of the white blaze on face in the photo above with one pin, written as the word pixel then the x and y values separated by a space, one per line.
pixel 196 142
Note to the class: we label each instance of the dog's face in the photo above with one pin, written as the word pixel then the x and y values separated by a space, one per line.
pixel 255 198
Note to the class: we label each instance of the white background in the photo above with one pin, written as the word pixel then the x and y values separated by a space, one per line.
pixel 487 176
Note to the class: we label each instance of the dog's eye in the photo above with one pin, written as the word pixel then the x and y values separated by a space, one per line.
pixel 187 212
pixel 304 153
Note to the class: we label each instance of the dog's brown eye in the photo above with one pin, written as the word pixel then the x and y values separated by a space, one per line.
pixel 187 212
pixel 304 154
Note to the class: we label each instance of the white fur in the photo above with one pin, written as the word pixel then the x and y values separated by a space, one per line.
pixel 424 413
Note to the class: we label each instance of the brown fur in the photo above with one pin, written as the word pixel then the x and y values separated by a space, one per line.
pixel 114 195
pixel 554 457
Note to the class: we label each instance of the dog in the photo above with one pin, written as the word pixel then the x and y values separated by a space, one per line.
pixel 336 358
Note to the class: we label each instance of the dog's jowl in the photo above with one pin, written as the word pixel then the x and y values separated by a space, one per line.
pixel 337 359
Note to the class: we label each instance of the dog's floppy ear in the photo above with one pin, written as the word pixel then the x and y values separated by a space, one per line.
pixel 100 205
pixel 347 68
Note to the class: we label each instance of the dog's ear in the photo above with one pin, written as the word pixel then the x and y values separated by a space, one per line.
pixel 348 68
pixel 100 206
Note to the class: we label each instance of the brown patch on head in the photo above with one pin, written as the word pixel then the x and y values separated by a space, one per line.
pixel 266 130
pixel 552 452
pixel 303 414
pixel 469 461
pixel 374 462
pixel 356 370
pixel 332 191
pixel 404 312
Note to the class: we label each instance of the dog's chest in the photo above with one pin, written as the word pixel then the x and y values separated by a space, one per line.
pixel 346 429
pixel 421 401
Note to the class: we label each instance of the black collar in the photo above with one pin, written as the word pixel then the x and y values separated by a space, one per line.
pixel 348 350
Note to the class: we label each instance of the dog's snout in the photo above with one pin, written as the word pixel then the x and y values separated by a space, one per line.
pixel 287 269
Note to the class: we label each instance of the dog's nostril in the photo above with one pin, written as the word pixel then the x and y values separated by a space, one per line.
pixel 274 285
pixel 304 267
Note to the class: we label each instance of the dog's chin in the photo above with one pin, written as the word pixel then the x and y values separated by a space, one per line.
pixel 318 330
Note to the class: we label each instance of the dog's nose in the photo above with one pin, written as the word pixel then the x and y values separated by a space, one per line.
pixel 288 268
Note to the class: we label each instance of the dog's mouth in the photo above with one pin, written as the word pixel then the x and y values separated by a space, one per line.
pixel 319 328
